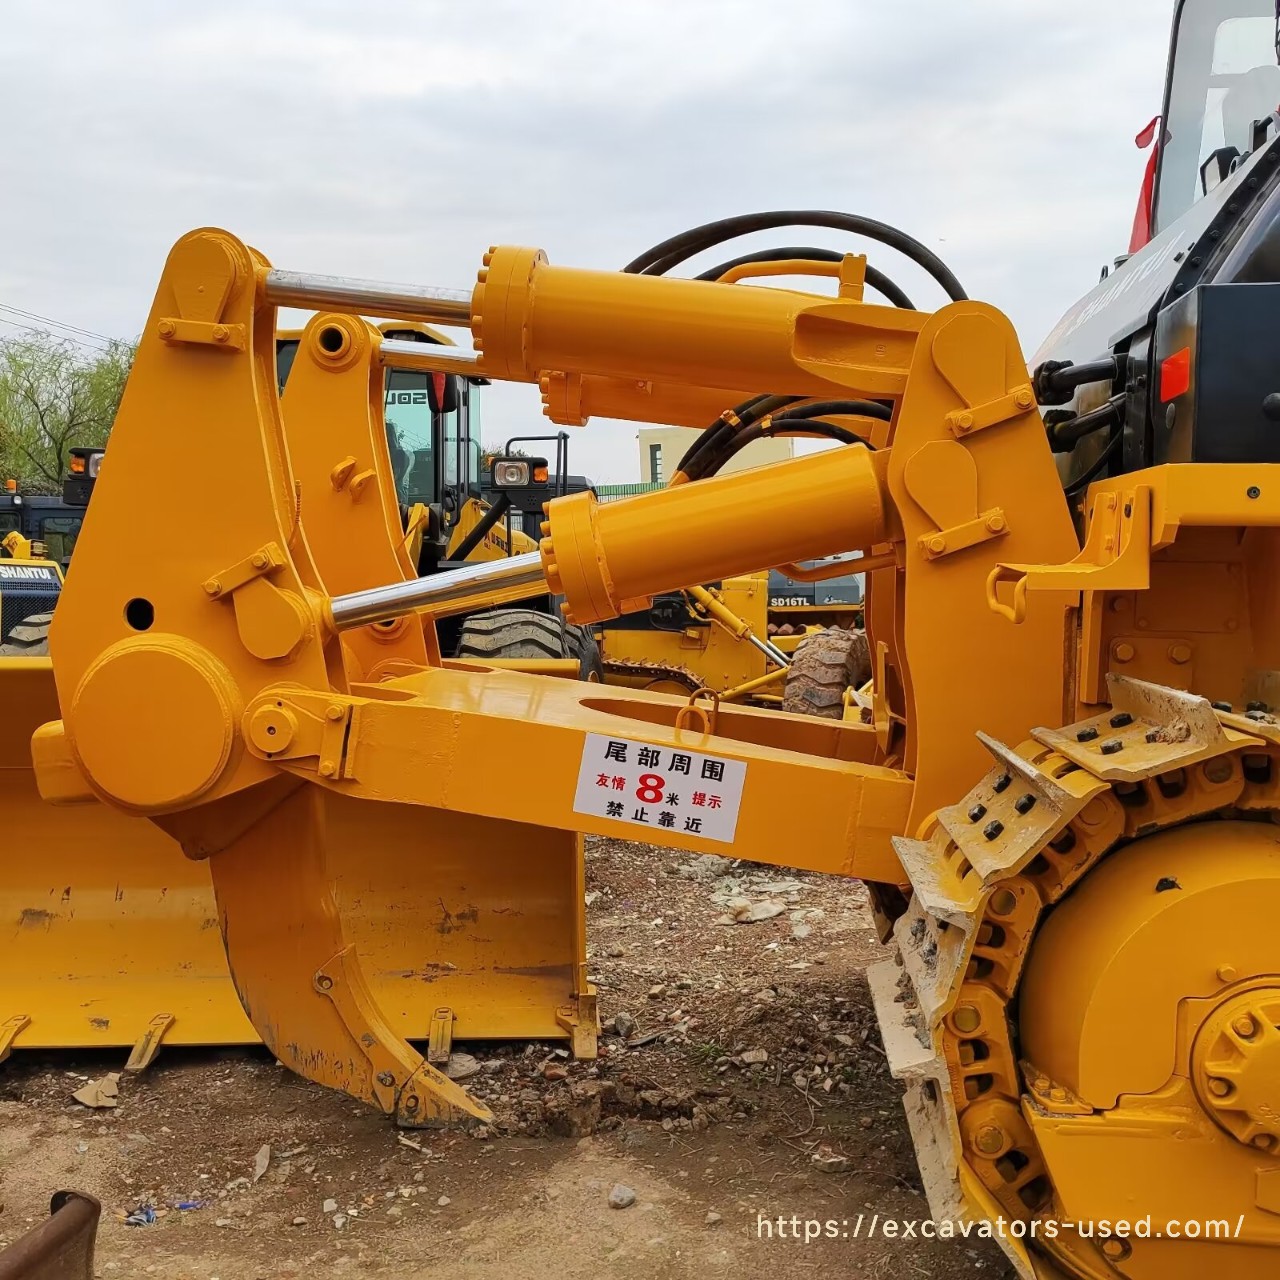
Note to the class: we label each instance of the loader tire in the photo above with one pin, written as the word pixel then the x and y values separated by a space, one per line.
pixel 583 646
pixel 526 633
pixel 29 639
pixel 824 666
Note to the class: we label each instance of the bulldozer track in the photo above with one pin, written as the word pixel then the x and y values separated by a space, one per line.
pixel 1041 821
pixel 654 671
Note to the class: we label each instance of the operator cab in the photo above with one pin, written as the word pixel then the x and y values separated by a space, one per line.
pixel 1222 78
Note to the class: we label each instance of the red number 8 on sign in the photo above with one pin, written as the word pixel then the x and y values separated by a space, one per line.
pixel 650 788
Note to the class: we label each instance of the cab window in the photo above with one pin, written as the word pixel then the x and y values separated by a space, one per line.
pixel 410 436
pixel 59 534
pixel 1224 77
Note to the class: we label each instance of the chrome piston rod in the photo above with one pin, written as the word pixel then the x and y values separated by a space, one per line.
pixel 455 591
pixel 369 297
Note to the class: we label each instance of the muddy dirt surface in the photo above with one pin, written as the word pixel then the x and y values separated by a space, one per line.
pixel 741 1079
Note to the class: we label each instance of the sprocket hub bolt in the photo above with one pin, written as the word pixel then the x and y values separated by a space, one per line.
pixel 1219 1088
pixel 1245 1027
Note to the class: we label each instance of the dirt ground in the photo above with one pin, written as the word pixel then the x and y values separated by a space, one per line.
pixel 751 1086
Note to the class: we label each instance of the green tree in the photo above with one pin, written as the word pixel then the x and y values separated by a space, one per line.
pixel 53 395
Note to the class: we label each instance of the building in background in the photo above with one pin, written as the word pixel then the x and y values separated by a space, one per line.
pixel 661 449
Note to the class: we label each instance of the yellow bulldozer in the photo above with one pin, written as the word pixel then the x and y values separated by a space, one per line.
pixel 1064 797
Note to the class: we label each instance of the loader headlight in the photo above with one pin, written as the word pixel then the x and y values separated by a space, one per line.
pixel 510 474
pixel 85 462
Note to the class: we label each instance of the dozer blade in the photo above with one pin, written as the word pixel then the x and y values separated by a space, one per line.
pixel 104 926
pixel 109 936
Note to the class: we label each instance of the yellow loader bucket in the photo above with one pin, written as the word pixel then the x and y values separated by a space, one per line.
pixel 465 926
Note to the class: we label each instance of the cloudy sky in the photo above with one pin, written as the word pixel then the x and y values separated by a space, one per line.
pixel 398 141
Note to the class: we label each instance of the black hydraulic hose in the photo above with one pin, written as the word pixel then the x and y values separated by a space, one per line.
pixel 1077 486
pixel 816 427
pixel 1056 381
pixel 835 408
pixel 670 253
pixel 741 411
pixel 777 427
pixel 722 445
pixel 720 431
pixel 1064 436
pixel 486 522
pixel 877 279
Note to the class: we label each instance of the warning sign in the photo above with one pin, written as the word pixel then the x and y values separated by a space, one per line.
pixel 661 788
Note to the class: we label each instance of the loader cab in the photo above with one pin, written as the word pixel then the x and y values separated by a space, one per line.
pixel 43 518
pixel 1222 76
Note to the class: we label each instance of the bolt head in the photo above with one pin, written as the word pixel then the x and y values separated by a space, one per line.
pixel 1245 1027
pixel 1116 1249
pixel 990 1140
pixel 966 1018
pixel 327 768
pixel 324 982
pixel 1023 399
pixel 937 545
pixel 1219 1087
pixel 995 524
pixel 1263 1141
pixel 386 1079
pixel 221 333
pixel 333 713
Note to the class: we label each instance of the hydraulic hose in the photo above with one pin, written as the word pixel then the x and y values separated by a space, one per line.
pixel 833 408
pixel 482 526
pixel 1064 436
pixel 1056 381
pixel 767 430
pixel 1083 482
pixel 670 253
pixel 723 438
pixel 720 432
